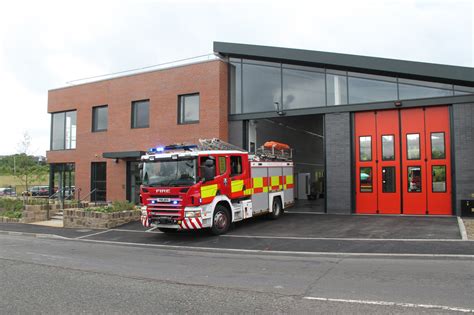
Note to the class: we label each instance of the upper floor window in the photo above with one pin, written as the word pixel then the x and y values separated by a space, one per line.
pixel 63 130
pixel 100 118
pixel 188 108
pixel 141 114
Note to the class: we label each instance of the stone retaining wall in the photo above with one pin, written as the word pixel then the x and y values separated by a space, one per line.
pixel 10 220
pixel 78 218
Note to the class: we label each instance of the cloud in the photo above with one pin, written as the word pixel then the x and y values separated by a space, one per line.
pixel 44 44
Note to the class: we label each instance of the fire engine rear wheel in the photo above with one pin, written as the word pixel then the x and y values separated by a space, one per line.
pixel 277 209
pixel 220 220
pixel 168 230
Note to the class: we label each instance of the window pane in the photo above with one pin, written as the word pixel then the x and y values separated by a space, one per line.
pixel 461 90
pixel 140 114
pixel 414 179
pixel 365 148
pixel 365 90
pixel 365 179
pixel 388 148
pixel 336 89
pixel 222 165
pixel 190 105
pixel 438 174
pixel 437 145
pixel 261 88
pixel 413 91
pixel 388 179
pixel 235 88
pixel 71 130
pixel 372 76
pixel 58 131
pixel 413 146
pixel 303 89
pixel 100 118
pixel 235 165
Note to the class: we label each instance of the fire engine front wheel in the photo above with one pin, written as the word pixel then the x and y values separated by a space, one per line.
pixel 220 220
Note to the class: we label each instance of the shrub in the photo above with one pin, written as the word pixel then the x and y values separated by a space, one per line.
pixel 12 214
pixel 122 205
pixel 115 207
pixel 11 204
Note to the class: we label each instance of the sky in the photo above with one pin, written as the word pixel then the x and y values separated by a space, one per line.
pixel 44 44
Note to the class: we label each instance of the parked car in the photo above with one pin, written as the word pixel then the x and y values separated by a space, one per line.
pixel 8 191
pixel 37 191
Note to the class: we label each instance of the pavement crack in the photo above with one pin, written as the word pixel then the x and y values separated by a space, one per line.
pixel 313 283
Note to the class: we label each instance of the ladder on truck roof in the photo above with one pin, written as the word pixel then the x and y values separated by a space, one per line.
pixel 217 144
pixel 263 153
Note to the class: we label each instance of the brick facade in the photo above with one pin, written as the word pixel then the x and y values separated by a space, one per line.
pixel 162 88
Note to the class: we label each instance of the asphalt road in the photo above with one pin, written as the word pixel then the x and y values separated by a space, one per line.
pixel 73 276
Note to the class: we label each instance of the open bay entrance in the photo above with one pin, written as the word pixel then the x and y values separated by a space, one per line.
pixel 305 135
pixel 403 161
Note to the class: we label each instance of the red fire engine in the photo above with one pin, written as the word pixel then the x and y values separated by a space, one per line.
pixel 211 185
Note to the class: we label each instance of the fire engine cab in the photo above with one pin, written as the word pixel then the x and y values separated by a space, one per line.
pixel 211 185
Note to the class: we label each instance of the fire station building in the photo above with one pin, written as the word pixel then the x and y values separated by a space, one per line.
pixel 369 135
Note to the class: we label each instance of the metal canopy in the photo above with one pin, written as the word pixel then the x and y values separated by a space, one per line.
pixel 374 65
pixel 123 154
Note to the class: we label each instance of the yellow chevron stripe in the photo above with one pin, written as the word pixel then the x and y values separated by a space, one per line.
pixel 258 182
pixel 236 185
pixel 208 191
pixel 275 181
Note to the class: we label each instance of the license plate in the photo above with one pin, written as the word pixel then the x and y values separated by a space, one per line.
pixel 163 199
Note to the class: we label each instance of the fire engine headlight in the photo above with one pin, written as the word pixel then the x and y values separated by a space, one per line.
pixel 192 214
pixel 143 209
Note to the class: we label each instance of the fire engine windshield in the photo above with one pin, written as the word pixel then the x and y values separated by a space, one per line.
pixel 170 173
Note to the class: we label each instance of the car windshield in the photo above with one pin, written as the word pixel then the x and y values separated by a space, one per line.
pixel 168 173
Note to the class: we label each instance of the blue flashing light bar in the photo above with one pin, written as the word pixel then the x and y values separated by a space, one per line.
pixel 172 148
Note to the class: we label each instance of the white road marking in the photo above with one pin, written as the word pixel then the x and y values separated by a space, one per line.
pixel 385 303
pixel 262 251
pixel 152 229
pixel 343 238
pixel 138 231
pixel 83 236
pixel 462 229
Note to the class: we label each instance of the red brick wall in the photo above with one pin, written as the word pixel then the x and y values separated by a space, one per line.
pixel 162 88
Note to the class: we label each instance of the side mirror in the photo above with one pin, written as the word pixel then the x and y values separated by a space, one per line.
pixel 208 170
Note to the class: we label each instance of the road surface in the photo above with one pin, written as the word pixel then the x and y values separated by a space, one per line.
pixel 43 275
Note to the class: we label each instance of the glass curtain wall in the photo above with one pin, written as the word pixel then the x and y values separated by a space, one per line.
pixel 62 181
pixel 261 86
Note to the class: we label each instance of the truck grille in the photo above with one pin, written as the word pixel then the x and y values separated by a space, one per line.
pixel 164 206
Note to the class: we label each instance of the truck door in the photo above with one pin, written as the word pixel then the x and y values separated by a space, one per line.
pixel 223 174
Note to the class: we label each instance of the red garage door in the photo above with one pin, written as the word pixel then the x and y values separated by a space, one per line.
pixel 403 162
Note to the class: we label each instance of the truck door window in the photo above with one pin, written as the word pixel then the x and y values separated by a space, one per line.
pixel 222 165
pixel 202 161
pixel 235 165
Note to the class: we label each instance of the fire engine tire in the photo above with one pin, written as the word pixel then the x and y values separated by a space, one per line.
pixel 168 230
pixel 220 220
pixel 277 209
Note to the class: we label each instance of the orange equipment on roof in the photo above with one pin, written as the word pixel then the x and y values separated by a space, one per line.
pixel 276 145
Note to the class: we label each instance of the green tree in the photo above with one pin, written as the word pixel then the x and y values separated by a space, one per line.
pixel 23 166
